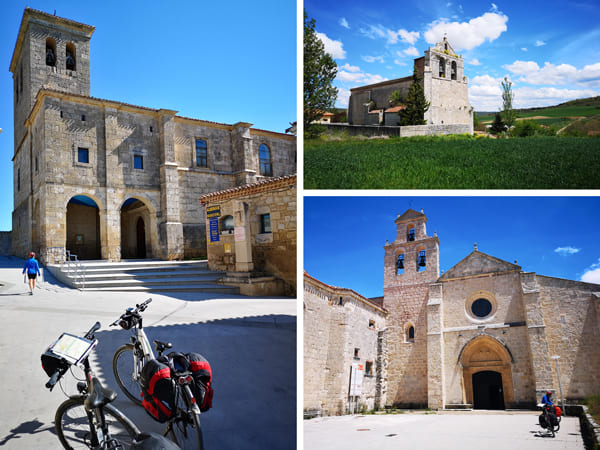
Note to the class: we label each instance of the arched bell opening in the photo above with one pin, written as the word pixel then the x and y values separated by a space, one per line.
pixel 83 227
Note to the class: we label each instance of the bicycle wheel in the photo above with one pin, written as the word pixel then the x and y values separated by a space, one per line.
pixel 125 374
pixel 185 429
pixel 73 428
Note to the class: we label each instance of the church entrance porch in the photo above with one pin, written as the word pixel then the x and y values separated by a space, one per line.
pixel 487 390
pixel 136 220
pixel 83 228
pixel 486 373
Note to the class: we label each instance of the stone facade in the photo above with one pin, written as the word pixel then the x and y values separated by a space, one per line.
pixel 446 88
pixel 482 335
pixel 134 174
pixel 239 242
pixel 341 329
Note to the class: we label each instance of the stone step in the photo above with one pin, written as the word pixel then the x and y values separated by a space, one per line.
pixel 144 275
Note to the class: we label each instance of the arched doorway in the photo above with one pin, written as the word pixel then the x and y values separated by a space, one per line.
pixel 135 226
pixel 487 390
pixel 487 373
pixel 83 227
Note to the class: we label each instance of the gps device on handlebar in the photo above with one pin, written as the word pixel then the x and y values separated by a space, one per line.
pixel 65 352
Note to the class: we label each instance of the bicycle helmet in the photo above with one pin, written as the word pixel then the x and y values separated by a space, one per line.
pixel 32 254
pixel 548 392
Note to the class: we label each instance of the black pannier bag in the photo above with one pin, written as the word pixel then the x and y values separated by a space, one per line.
pixel 158 390
pixel 202 374
pixel 543 421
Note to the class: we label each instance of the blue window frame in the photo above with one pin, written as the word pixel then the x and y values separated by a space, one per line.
pixel 83 155
pixel 138 162
pixel 265 223
pixel 201 153
pixel 264 155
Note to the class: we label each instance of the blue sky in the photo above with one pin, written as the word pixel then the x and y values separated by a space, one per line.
pixel 225 62
pixel 548 49
pixel 552 236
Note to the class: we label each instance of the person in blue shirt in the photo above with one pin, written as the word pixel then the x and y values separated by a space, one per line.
pixel 547 399
pixel 33 270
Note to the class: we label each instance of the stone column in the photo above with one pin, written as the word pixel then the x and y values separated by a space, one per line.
pixel 110 227
pixel 245 162
pixel 243 238
pixel 435 348
pixel 170 228
pixel 536 330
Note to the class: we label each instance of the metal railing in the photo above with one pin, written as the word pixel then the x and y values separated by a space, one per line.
pixel 70 264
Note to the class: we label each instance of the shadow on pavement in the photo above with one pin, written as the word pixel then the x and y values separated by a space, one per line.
pixel 32 427
pixel 254 377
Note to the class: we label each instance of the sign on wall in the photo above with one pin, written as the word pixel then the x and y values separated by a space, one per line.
pixel 213 230
pixel 356 379
pixel 213 211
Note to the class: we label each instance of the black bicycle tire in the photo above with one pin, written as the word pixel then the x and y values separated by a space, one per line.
pixel 109 411
pixel 134 397
pixel 197 429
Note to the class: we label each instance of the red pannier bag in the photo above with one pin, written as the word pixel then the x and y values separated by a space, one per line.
pixel 158 390
pixel 202 374
pixel 557 411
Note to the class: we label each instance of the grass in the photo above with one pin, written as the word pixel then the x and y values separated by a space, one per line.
pixel 593 404
pixel 453 163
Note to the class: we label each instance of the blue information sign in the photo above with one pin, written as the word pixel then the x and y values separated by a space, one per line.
pixel 214 230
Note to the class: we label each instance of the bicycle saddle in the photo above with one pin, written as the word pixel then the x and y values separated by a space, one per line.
pixel 99 395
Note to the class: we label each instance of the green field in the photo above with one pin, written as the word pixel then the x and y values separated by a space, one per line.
pixel 453 163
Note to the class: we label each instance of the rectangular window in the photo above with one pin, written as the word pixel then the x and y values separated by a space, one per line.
pixel 138 162
pixel 369 368
pixel 201 153
pixel 83 155
pixel 265 223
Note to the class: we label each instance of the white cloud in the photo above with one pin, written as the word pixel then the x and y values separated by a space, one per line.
pixel 552 74
pixel 539 43
pixel 343 22
pixel 334 48
pixel 592 274
pixel 411 51
pixel 524 49
pixel 392 37
pixel 358 78
pixel 372 59
pixel 467 35
pixel 348 77
pixel 350 68
pixel 567 250
pixel 343 97
pixel 474 62
pixel 526 97
pixel 494 7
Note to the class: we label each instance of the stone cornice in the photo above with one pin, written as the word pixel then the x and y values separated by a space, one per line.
pixel 268 185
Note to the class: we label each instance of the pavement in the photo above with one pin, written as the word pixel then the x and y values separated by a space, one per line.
pixel 249 342
pixel 503 430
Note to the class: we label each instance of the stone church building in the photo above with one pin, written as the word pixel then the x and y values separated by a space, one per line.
pixel 441 72
pixel 109 180
pixel 483 335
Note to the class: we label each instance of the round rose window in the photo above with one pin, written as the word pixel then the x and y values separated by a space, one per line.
pixel 481 307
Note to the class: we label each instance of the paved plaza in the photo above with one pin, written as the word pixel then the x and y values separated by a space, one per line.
pixel 250 343
pixel 442 430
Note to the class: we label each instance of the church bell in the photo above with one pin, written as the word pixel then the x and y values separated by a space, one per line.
pixel 421 262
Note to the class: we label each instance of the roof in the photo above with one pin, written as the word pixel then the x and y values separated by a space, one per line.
pixel 478 263
pixel 268 184
pixel 410 214
pixel 371 302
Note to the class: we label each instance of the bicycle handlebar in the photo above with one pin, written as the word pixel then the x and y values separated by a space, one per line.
pixel 54 379
pixel 141 307
pixel 90 334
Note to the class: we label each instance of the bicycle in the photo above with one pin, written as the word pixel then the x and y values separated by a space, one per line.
pixel 87 419
pixel 550 418
pixel 184 426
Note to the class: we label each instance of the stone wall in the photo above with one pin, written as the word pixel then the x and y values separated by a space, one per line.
pixel 273 252
pixel 396 131
pixel 340 328
pixel 5 243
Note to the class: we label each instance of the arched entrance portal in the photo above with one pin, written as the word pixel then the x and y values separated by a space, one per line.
pixel 487 390
pixel 487 373
pixel 135 223
pixel 83 227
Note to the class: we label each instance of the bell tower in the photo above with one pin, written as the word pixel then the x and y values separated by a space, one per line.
pixel 50 53
pixel 411 264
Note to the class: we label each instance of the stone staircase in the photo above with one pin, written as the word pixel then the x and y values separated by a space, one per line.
pixel 142 276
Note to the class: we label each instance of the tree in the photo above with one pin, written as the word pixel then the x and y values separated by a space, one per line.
pixel 416 103
pixel 319 72
pixel 509 115
pixel 498 125
pixel 396 98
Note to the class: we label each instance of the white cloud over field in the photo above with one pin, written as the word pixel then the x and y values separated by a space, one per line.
pixel 468 35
